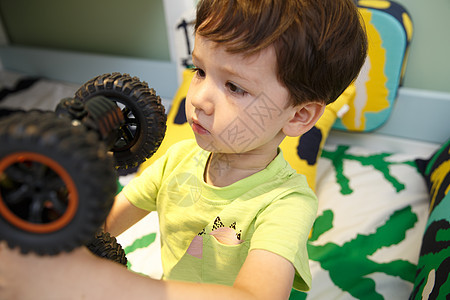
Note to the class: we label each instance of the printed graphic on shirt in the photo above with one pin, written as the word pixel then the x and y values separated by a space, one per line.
pixel 179 183
pixel 225 235
pixel 188 184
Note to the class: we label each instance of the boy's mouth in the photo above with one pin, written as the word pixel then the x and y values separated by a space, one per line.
pixel 199 129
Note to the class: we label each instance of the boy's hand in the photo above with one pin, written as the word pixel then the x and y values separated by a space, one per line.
pixel 18 271
pixel 30 276
pixel 78 274
pixel 6 272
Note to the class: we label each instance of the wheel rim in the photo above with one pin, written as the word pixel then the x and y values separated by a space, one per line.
pixel 36 193
pixel 129 131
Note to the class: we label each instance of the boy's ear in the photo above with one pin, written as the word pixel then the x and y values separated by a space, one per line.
pixel 305 116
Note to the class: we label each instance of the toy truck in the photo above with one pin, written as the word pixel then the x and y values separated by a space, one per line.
pixel 59 169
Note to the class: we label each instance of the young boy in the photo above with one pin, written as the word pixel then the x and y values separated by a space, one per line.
pixel 234 216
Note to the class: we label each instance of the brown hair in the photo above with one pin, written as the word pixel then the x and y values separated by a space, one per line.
pixel 320 45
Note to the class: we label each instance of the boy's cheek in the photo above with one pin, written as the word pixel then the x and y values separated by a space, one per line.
pixel 188 108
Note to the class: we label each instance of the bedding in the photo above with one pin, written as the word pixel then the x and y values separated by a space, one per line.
pixel 19 91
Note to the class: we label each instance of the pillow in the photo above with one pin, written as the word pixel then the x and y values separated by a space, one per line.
pixel 432 277
pixel 372 212
pixel 301 152
pixel 389 29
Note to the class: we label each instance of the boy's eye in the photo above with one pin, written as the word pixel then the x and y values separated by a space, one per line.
pixel 235 89
pixel 199 72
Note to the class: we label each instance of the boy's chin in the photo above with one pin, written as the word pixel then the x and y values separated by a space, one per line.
pixel 211 146
pixel 215 148
pixel 207 145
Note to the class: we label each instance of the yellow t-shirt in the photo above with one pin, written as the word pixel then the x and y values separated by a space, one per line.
pixel 207 231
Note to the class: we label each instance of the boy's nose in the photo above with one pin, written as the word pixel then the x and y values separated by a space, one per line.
pixel 202 97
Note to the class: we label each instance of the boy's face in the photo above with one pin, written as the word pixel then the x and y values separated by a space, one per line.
pixel 236 104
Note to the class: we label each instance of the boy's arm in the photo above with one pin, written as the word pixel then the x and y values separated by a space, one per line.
pixel 123 215
pixel 81 275
pixel 264 276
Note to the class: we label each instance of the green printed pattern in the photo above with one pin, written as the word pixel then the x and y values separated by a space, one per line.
pixel 348 265
pixel 140 243
pixel 378 161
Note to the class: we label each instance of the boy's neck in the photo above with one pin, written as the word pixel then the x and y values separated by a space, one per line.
pixel 223 169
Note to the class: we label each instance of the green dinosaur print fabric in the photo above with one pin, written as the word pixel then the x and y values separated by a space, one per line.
pixel 365 241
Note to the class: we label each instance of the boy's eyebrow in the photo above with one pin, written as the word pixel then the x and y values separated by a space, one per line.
pixel 225 69
pixel 194 56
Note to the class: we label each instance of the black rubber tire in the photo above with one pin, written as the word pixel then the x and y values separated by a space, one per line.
pixel 106 246
pixel 57 183
pixel 145 118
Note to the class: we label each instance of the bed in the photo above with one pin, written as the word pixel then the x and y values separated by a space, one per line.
pixel 380 173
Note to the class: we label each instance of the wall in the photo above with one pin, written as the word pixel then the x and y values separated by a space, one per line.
pixel 135 28
pixel 429 62
pixel 138 29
